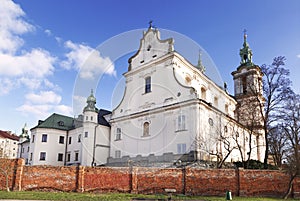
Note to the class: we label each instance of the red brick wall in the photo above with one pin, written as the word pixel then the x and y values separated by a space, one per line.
pixel 267 183
pixel 211 182
pixel 107 179
pixel 49 177
pixel 156 180
pixel 189 181
pixel 10 168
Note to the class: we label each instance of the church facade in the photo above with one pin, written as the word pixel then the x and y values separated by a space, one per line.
pixel 169 109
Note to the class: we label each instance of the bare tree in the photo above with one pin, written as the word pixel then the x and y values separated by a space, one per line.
pixel 6 170
pixel 224 142
pixel 291 129
pixel 221 142
pixel 277 144
pixel 251 117
pixel 276 85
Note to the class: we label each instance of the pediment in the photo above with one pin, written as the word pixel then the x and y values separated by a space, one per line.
pixel 151 48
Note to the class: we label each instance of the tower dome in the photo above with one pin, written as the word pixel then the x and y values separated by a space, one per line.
pixel 91 102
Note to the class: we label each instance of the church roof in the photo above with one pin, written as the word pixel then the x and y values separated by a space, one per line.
pixel 56 121
pixel 101 119
pixel 61 122
pixel 5 134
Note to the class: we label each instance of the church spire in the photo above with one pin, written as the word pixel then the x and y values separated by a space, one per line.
pixel 200 65
pixel 24 131
pixel 91 103
pixel 246 52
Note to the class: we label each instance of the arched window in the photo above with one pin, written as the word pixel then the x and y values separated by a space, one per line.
pixel 148 84
pixel 146 129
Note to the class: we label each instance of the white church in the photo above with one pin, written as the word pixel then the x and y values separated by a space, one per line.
pixel 170 111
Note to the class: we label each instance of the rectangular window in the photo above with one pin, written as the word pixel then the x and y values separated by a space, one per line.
pixel 60 157
pixel 30 156
pixel 216 102
pixel 23 149
pixel 70 140
pixel 79 138
pixel 181 122
pixel 226 108
pixel 61 139
pixel 117 154
pixel 181 148
pixel 27 149
pixel 148 84
pixel 44 138
pixel 118 134
pixel 33 138
pixel 86 134
pixel 42 156
pixel 68 157
pixel 244 83
pixel 76 156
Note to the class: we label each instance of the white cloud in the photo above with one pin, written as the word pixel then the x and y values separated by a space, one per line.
pixel 37 63
pixel 64 109
pixel 11 26
pixel 79 102
pixel 20 68
pixel 87 60
pixel 58 39
pixel 42 104
pixel 6 85
pixel 298 55
pixel 48 32
pixel 39 111
pixel 44 97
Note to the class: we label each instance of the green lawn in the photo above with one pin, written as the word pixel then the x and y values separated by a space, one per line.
pixel 111 196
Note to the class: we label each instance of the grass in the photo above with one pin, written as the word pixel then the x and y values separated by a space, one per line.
pixel 32 195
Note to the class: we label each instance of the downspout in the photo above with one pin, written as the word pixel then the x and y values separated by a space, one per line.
pixel 94 147
pixel 21 147
pixel 66 148
pixel 109 139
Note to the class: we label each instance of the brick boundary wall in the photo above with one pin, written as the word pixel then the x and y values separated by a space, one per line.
pixel 189 181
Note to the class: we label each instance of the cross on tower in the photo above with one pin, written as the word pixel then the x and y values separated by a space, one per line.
pixel 150 23
pixel 245 33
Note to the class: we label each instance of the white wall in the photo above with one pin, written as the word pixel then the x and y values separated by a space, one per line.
pixel 52 147
pixel 9 148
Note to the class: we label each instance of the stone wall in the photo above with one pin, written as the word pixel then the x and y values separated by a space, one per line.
pixel 189 181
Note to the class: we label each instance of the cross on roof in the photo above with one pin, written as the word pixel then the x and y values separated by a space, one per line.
pixel 150 23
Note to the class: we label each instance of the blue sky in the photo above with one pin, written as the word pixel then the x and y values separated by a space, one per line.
pixel 44 44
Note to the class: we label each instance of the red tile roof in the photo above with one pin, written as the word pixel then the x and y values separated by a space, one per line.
pixel 5 134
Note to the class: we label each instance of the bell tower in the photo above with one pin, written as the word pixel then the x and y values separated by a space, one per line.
pixel 90 111
pixel 248 92
pixel 247 77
